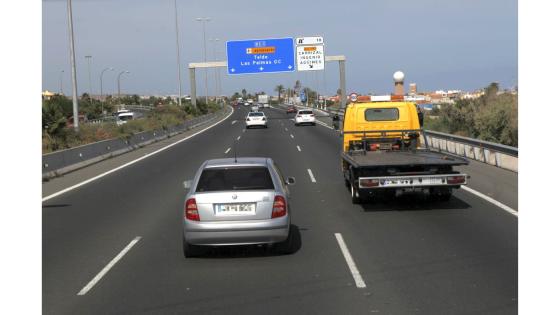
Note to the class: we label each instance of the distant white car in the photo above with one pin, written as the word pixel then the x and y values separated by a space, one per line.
pixel 255 108
pixel 123 116
pixel 256 119
pixel 305 116
pixel 266 105
pixel 246 104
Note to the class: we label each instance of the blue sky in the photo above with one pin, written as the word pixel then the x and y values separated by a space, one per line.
pixel 438 44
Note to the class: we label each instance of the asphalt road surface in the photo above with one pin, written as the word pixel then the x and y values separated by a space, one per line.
pixel 113 246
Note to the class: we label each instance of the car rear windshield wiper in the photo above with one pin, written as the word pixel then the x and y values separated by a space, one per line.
pixel 248 187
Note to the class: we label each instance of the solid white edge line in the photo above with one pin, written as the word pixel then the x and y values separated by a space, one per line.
pixel 298 148
pixel 131 162
pixel 350 261
pixel 311 175
pixel 110 265
pixel 227 150
pixel 490 200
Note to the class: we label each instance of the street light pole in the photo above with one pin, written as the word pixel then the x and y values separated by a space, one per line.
pixel 119 83
pixel 101 87
pixel 61 91
pixel 215 40
pixel 178 54
pixel 88 57
pixel 204 20
pixel 73 63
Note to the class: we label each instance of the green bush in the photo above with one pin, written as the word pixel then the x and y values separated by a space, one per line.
pixel 492 117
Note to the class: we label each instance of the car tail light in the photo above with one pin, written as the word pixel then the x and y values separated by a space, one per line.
pixel 191 210
pixel 248 119
pixel 264 118
pixel 279 207
pixel 369 183
pixel 311 115
pixel 456 180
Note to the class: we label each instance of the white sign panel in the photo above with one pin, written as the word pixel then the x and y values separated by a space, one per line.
pixel 317 40
pixel 310 57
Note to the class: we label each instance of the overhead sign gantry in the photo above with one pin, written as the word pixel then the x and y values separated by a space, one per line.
pixel 273 55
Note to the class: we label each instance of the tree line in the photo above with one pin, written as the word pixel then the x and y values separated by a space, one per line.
pixel 491 117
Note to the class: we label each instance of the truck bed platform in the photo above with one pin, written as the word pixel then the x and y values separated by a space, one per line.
pixel 402 158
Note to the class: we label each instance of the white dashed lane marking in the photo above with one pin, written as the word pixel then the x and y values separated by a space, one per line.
pixel 350 261
pixel 311 176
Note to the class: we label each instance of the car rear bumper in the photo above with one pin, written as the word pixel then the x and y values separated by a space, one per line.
pixel 237 233
pixel 301 121
pixel 255 123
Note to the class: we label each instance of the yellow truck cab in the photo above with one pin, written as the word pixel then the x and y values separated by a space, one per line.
pixel 376 116
pixel 382 154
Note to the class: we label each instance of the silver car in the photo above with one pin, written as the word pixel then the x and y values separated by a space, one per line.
pixel 237 201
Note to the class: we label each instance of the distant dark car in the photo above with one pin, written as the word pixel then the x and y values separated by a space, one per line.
pixel 291 109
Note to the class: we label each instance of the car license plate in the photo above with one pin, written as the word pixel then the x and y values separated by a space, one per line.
pixel 236 209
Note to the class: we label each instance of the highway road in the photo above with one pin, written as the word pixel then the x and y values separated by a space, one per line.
pixel 113 246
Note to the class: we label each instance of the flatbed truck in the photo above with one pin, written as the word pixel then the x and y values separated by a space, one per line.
pixel 383 155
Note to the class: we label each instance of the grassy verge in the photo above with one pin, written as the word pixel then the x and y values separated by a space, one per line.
pixel 162 117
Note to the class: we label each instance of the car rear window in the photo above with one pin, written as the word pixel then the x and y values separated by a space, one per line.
pixel 256 114
pixel 306 112
pixel 236 178
pixel 382 114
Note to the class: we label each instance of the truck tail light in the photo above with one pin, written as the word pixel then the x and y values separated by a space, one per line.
pixel 368 183
pixel 279 207
pixel 191 210
pixel 373 146
pixel 456 180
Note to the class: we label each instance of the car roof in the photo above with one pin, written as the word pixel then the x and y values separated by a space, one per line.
pixel 241 162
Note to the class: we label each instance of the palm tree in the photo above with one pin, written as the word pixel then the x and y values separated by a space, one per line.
pixel 279 88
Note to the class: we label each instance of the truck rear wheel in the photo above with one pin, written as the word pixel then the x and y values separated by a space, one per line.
pixel 441 194
pixel 355 192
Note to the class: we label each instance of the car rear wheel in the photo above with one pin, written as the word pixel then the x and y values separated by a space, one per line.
pixel 190 250
pixel 286 247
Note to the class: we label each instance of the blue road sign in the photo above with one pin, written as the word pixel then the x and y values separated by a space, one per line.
pixel 260 55
pixel 303 96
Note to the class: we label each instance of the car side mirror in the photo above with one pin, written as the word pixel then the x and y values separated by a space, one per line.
pixel 290 181
pixel 187 184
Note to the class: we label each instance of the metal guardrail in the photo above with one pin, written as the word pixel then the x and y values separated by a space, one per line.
pixel 64 161
pixel 513 151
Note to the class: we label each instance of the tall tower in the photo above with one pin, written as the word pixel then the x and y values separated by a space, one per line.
pixel 398 77
pixel 412 89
